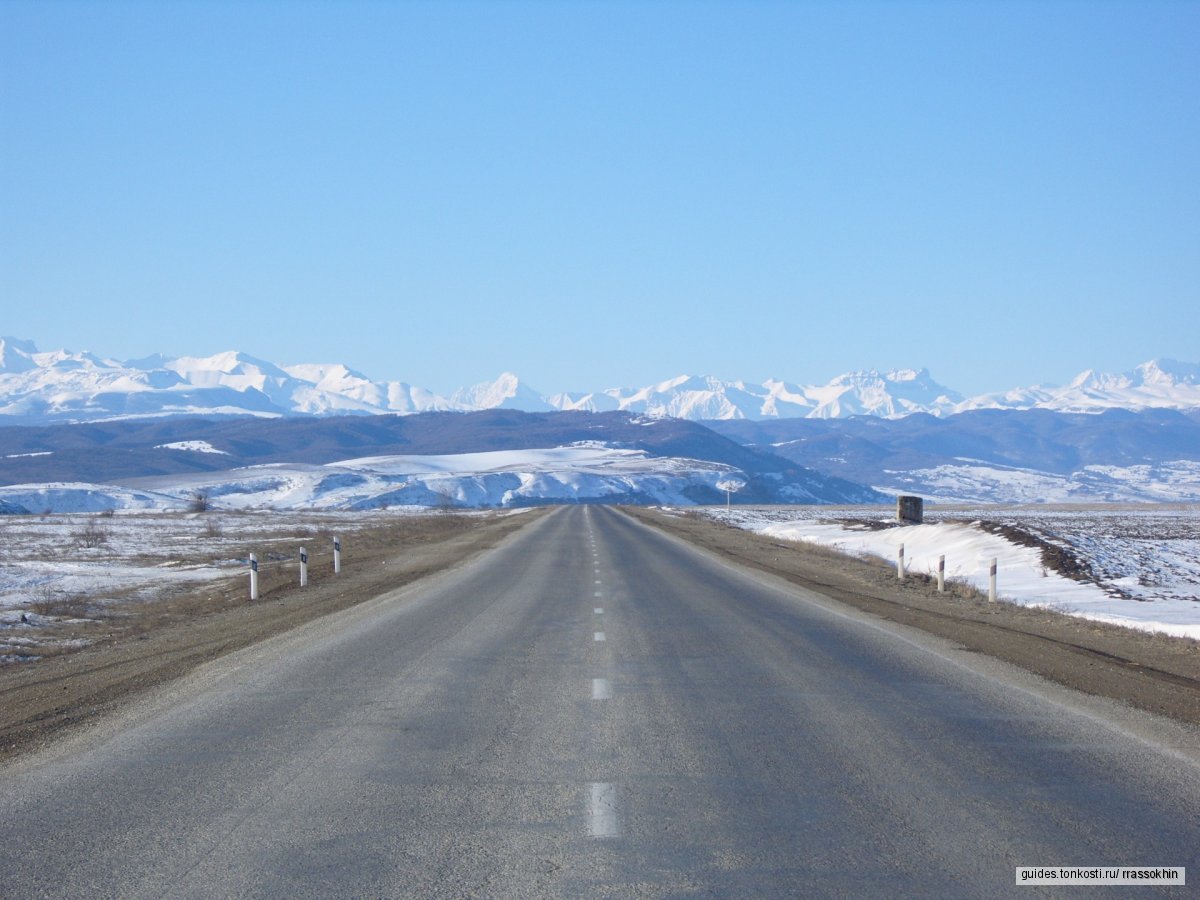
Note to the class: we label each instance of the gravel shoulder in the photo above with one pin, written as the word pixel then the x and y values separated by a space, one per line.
pixel 146 645
pixel 1152 672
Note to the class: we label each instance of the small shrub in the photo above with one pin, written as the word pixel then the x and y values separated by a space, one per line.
pixel 212 528
pixel 199 502
pixel 90 535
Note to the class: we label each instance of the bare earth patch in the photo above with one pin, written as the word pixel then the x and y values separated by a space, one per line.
pixel 1150 671
pixel 96 657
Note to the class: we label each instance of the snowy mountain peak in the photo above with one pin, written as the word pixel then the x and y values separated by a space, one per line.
pixel 38 387
pixel 901 375
pixel 1168 372
pixel 230 362
pixel 506 392
pixel 1091 380
pixel 593 402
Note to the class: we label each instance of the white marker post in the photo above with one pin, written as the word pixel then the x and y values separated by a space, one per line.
pixel 941 574
pixel 253 577
pixel 337 555
pixel 900 563
pixel 992 582
pixel 303 567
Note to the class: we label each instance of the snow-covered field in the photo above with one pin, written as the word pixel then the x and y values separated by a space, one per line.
pixel 1176 481
pixel 496 479
pixel 1145 559
pixel 56 567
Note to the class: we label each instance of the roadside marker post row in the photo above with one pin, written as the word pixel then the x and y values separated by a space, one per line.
pixel 941 573
pixel 337 567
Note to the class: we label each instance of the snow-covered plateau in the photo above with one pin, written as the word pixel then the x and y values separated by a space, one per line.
pixel 60 386
pixel 490 479
pixel 1141 564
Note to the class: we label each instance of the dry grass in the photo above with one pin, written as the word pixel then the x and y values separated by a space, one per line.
pixel 78 619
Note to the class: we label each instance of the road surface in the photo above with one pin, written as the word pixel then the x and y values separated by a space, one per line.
pixel 594 709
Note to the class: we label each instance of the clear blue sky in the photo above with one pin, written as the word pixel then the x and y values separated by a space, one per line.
pixel 602 194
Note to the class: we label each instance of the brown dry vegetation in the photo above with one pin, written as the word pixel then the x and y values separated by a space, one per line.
pixel 137 644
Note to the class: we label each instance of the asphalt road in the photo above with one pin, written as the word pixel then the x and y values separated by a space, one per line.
pixel 594 709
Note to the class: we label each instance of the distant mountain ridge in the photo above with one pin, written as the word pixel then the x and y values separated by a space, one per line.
pixel 999 455
pixel 676 459
pixel 59 386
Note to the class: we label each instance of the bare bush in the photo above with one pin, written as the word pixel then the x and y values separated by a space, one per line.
pixel 59 604
pixel 199 502
pixel 212 528
pixel 90 535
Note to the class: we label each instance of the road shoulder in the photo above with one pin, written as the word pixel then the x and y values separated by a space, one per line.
pixel 48 700
pixel 1155 673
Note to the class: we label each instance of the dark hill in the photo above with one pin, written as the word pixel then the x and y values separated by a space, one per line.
pixel 120 450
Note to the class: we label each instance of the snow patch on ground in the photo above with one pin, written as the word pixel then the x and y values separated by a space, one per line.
pixel 193 446
pixel 59 569
pixel 1147 562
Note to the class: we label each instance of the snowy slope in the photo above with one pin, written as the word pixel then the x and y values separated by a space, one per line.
pixel 67 496
pixel 500 478
pixel 1163 384
pixel 1022 575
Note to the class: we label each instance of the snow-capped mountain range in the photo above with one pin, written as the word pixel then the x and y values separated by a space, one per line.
pixel 59 386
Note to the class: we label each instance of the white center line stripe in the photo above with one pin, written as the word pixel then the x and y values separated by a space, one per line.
pixel 599 610
pixel 599 594
pixel 598 636
pixel 602 810
pixel 601 689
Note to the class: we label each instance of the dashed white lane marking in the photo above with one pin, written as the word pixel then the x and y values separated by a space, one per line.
pixel 598 594
pixel 601 689
pixel 602 810
pixel 598 581
pixel 599 610
pixel 598 636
